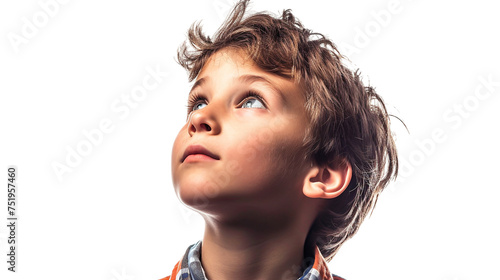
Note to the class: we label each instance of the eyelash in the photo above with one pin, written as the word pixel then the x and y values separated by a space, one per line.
pixel 195 98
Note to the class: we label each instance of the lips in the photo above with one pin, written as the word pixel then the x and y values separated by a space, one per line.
pixel 198 153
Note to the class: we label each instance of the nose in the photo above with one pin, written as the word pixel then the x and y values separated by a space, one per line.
pixel 203 121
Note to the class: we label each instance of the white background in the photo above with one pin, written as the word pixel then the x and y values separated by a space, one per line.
pixel 115 215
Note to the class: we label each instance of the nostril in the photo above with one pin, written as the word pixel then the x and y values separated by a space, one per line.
pixel 207 127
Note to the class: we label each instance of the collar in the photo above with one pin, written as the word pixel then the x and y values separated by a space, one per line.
pixel 190 268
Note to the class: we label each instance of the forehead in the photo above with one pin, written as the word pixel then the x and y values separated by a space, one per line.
pixel 229 58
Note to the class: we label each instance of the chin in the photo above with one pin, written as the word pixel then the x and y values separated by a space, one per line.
pixel 197 195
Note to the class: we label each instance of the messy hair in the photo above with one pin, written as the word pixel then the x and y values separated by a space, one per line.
pixel 348 120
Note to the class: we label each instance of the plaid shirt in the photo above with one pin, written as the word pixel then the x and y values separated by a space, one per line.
pixel 189 268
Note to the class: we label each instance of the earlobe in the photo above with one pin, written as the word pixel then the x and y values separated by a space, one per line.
pixel 328 181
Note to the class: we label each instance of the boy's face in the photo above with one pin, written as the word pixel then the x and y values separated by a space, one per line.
pixel 251 125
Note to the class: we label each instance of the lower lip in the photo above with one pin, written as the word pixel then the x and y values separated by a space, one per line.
pixel 198 157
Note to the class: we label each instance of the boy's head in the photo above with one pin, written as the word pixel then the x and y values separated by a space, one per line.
pixel 278 126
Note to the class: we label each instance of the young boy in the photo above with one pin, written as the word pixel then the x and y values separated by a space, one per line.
pixel 284 152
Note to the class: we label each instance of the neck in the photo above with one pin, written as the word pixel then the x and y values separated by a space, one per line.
pixel 240 251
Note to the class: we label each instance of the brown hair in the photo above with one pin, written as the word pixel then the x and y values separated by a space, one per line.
pixel 348 121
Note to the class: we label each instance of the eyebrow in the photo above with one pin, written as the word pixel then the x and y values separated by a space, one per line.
pixel 249 79
pixel 198 83
pixel 255 78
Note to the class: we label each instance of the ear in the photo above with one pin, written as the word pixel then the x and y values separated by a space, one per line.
pixel 328 181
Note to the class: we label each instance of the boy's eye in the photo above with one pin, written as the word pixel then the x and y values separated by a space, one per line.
pixel 199 106
pixel 253 102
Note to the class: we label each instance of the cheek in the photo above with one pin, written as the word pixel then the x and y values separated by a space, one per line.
pixel 253 150
pixel 267 154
